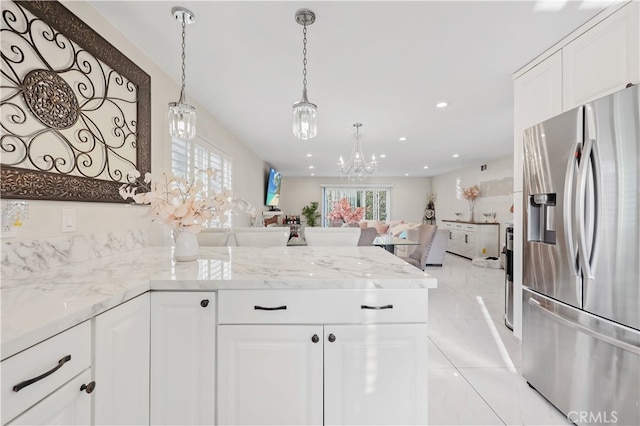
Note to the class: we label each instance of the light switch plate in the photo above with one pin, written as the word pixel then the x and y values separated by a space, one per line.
pixel 68 220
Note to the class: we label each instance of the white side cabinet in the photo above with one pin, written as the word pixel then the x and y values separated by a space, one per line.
pixel 121 364
pixel 322 357
pixel 183 343
pixel 473 240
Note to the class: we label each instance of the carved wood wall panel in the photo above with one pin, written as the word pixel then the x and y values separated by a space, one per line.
pixel 75 113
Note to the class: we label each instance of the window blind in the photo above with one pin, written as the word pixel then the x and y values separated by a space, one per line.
pixel 376 200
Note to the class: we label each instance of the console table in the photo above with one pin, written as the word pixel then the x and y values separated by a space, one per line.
pixel 473 239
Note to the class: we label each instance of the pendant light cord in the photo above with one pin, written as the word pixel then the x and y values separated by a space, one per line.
pixel 184 57
pixel 304 56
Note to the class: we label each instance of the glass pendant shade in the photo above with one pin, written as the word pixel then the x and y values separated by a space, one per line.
pixel 305 118
pixel 182 121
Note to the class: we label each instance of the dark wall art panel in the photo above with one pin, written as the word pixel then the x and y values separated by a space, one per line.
pixel 75 113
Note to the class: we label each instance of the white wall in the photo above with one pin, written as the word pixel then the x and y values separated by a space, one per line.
pixel 248 170
pixel 496 192
pixel 408 196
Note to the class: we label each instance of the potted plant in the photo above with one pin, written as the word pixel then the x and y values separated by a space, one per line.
pixel 311 214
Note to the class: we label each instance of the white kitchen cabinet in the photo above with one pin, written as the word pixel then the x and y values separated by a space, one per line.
pixel 41 371
pixel 473 240
pixel 373 374
pixel 69 405
pixel 270 374
pixel 604 59
pixel 121 364
pixel 183 347
pixel 537 96
pixel 322 357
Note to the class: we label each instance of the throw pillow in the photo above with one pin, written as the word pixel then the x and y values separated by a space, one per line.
pixel 382 227
pixel 364 224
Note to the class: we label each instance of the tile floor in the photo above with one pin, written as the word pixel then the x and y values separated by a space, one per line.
pixel 475 361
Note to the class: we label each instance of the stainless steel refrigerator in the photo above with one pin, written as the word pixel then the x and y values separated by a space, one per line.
pixel 581 260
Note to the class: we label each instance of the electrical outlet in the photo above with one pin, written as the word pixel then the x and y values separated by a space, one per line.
pixel 9 231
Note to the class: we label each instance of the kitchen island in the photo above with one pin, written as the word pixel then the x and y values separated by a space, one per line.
pixel 342 330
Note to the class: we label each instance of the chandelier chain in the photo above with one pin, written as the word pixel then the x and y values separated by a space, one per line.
pixel 304 56
pixel 184 58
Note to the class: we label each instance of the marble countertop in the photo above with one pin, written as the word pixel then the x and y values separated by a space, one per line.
pixel 40 304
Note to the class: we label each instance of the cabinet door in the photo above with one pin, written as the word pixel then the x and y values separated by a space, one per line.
pixel 469 244
pixel 183 343
pixel 537 96
pixel 121 364
pixel 604 59
pixel 66 406
pixel 270 374
pixel 375 374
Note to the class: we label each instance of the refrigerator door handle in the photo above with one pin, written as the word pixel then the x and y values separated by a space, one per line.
pixel 586 330
pixel 583 169
pixel 569 212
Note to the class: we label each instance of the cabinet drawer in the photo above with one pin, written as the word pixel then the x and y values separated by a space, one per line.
pixel 322 306
pixel 40 359
pixel 471 228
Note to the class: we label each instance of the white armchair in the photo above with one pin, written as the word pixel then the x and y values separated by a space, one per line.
pixel 332 236
pixel 213 237
pixel 262 237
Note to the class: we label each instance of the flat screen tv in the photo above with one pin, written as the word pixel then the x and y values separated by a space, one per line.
pixel 273 188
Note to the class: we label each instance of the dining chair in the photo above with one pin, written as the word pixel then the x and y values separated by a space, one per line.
pixel 214 237
pixel 367 235
pixel 418 257
pixel 261 237
pixel 332 236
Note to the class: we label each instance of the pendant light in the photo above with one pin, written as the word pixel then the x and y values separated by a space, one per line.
pixel 356 167
pixel 182 116
pixel 304 112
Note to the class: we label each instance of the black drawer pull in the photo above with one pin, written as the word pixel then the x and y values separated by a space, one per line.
pixel 277 308
pixel 377 308
pixel 26 383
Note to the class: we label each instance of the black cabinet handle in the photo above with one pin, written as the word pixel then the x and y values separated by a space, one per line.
pixel 89 387
pixel 377 308
pixel 277 308
pixel 26 383
pixel 450 234
pixel 315 338
pixel 332 338
pixel 465 238
pixel 204 303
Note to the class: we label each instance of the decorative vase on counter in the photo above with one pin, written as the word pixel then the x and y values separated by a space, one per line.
pixel 471 205
pixel 186 249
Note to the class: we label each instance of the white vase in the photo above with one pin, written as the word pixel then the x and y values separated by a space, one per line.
pixel 186 248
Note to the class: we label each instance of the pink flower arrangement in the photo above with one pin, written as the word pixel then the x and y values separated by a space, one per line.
pixel 342 212
pixel 471 193
pixel 177 202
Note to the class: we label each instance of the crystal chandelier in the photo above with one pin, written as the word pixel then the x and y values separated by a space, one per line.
pixel 182 116
pixel 357 167
pixel 304 112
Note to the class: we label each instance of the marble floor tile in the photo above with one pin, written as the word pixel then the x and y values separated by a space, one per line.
pixel 511 398
pixel 437 358
pixel 452 401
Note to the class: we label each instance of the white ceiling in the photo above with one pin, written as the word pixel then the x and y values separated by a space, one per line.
pixel 385 64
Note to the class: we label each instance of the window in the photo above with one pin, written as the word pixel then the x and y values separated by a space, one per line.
pixel 375 199
pixel 190 157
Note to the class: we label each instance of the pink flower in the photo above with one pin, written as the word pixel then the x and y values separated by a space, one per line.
pixel 471 193
pixel 342 212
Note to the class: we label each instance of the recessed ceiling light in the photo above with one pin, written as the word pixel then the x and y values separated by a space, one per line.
pixel 425 167
pixel 313 174
pixel 311 167
pixel 383 155
pixel 308 155
pixel 406 174
pixel 455 155
pixel 441 104
pixel 402 138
